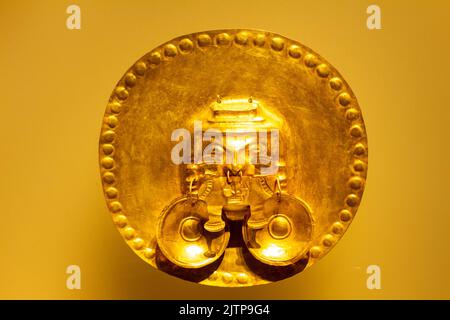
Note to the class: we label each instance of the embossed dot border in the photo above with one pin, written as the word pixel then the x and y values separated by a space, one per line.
pixel 108 163
pixel 344 101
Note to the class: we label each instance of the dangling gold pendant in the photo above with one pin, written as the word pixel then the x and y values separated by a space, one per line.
pixel 232 157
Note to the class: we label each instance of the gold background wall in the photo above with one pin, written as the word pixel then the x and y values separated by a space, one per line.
pixel 55 84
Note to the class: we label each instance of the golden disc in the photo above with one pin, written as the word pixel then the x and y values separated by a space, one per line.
pixel 232 157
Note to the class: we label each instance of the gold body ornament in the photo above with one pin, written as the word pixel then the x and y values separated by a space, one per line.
pixel 233 223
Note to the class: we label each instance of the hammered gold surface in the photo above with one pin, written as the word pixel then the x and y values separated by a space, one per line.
pixel 322 133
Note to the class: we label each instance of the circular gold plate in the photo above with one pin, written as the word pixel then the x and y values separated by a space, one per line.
pixel 324 153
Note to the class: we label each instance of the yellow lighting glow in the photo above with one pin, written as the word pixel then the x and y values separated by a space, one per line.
pixel 193 250
pixel 237 144
pixel 273 251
